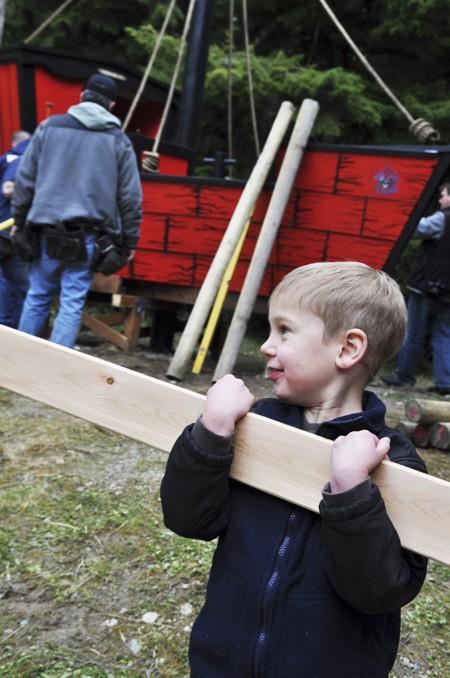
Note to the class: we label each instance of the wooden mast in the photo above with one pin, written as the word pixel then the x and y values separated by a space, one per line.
pixel 194 78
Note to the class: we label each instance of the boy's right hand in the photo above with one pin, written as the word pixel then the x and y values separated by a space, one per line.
pixel 226 402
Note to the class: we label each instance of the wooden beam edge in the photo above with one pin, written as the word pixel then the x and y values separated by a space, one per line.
pixel 155 412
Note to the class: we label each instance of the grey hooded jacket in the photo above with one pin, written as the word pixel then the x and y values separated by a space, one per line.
pixel 80 166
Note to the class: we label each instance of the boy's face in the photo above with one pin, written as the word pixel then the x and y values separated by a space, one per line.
pixel 301 366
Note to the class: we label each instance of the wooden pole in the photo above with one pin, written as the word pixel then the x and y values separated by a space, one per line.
pixel 218 304
pixel 280 196
pixel 270 456
pixel 427 411
pixel 208 290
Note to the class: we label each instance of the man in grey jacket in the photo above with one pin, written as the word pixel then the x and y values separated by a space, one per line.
pixel 77 183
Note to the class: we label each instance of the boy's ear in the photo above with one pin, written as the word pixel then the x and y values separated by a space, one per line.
pixel 353 348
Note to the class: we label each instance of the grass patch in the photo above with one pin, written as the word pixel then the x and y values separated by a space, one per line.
pixel 91 582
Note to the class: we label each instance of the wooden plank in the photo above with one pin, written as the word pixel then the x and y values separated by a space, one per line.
pixel 270 456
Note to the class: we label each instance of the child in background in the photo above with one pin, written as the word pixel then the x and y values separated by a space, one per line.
pixel 291 593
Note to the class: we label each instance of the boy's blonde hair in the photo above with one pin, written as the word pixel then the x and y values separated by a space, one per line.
pixel 346 295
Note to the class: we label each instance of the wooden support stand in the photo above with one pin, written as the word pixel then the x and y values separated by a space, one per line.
pixel 130 317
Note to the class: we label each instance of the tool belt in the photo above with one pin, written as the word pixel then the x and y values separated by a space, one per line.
pixel 65 242
pixel 108 257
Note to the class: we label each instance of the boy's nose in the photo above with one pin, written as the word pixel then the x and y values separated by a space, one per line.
pixel 267 348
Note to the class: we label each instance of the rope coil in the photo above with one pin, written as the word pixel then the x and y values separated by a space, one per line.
pixel 150 162
pixel 420 127
pixel 424 131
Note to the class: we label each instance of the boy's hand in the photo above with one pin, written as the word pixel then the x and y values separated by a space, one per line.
pixel 227 401
pixel 353 457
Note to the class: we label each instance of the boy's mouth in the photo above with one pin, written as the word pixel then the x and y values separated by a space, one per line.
pixel 274 373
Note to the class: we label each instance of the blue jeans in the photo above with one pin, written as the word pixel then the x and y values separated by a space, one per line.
pixel 49 277
pixel 13 289
pixel 426 314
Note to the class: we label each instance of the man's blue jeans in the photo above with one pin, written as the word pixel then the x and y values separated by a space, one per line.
pixel 13 288
pixel 48 278
pixel 426 314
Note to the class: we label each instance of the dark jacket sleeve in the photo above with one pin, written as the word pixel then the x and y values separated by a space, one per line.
pixel 366 563
pixel 195 488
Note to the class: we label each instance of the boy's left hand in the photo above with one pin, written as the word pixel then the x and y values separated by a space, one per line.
pixel 353 457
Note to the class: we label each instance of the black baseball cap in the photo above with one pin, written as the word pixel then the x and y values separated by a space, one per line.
pixel 103 85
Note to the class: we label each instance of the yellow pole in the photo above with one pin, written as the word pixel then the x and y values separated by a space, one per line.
pixel 6 224
pixel 218 303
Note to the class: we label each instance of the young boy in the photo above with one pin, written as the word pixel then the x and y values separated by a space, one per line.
pixel 292 594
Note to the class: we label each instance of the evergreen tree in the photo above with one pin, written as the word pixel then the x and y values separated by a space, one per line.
pixel 296 52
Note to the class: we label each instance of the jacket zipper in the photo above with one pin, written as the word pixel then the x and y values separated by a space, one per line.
pixel 269 594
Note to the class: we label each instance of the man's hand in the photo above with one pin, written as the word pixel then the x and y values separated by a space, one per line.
pixel 227 401
pixel 353 457
pixel 8 189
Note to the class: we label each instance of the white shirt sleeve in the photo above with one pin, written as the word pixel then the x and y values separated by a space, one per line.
pixel 430 227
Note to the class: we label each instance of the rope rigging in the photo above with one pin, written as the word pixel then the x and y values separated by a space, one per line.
pixel 422 129
pixel 230 83
pixel 49 19
pixel 149 66
pixel 151 158
pixel 249 76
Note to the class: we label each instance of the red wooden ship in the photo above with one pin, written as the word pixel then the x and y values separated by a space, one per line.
pixel 359 203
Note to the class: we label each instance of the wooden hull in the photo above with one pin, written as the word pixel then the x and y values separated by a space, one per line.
pixel 339 209
pixel 359 203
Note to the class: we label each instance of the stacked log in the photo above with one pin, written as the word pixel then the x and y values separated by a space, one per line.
pixel 418 433
pixel 428 423
pixel 440 436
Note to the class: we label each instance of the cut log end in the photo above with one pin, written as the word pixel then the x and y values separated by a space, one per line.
pixel 440 436
pixel 427 411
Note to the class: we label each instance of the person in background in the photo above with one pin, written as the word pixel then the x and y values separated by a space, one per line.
pixel 13 271
pixel 292 593
pixel 428 302
pixel 78 183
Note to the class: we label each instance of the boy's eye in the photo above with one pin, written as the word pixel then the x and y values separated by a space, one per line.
pixel 284 329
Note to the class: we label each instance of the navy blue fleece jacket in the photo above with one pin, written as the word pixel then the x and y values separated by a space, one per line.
pixel 292 593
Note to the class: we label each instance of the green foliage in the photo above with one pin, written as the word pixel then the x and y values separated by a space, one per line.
pixel 99 27
pixel 297 52
pixel 346 111
pixel 142 48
